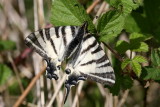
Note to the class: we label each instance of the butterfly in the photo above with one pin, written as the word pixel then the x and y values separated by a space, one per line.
pixel 87 60
pixel 50 43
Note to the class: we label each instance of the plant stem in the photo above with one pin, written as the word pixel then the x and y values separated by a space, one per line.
pixel 115 53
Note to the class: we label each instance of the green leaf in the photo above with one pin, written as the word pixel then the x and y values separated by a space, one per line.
pixel 5 73
pixel 128 6
pixel 143 47
pixel 136 67
pixel 122 46
pixel 113 3
pixel 136 43
pixel 151 73
pixel 7 45
pixel 136 37
pixel 155 58
pixel 131 25
pixel 110 25
pixel 139 59
pixel 127 82
pixel 151 10
pixel 69 12
pixel 122 82
pixel 125 63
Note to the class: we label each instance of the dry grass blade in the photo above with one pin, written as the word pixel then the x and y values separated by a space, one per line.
pixel 31 84
pixel 91 7
pixel 17 74
pixel 102 7
pixel 57 90
pixel 77 94
pixel 123 99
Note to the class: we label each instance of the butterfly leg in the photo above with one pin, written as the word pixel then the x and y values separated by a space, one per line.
pixel 73 80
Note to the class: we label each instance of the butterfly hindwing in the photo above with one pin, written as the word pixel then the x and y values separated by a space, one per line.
pixel 90 63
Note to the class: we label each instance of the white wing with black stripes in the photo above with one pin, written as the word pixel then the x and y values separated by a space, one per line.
pixel 50 43
pixel 89 62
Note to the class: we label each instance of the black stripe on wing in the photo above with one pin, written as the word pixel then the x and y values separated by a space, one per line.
pixel 98 61
pixel 109 75
pixel 105 65
pixel 102 59
pixel 97 50
pixel 76 41
pixel 57 31
pixel 87 37
pixel 73 30
pixel 47 33
pixel 53 45
pixel 64 35
pixel 89 62
pixel 34 40
pixel 97 79
pixel 89 47
pixel 41 34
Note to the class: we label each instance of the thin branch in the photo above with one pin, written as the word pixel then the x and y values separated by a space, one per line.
pixel 115 53
pixel 17 74
pixel 102 7
pixel 91 7
pixel 130 54
pixel 27 90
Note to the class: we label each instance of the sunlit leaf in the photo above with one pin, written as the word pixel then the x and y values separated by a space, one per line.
pixel 110 25
pixel 136 67
pixel 139 59
pixel 69 12
pixel 125 63
pixel 143 47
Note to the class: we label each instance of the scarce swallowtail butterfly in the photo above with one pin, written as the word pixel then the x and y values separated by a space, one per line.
pixel 51 44
pixel 89 62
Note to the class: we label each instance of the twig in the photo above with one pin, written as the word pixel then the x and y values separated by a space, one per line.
pixel 31 84
pixel 123 99
pixel 116 54
pixel 91 7
pixel 57 90
pixel 77 93
pixel 17 74
pixel 99 12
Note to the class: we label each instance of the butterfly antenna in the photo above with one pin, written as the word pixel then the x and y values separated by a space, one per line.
pixel 67 92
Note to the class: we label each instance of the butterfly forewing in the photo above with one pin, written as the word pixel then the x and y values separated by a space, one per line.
pixel 50 43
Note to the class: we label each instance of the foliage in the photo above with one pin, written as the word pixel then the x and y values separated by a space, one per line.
pixel 5 73
pixel 69 12
pixel 139 52
pixel 7 45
